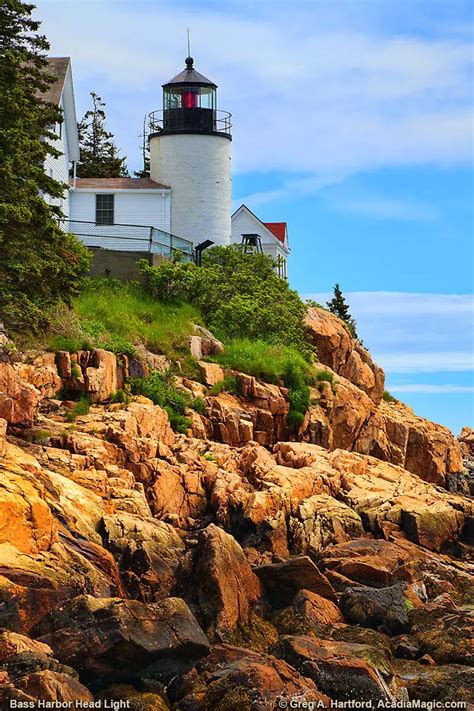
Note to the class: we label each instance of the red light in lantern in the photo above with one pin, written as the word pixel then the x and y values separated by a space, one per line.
pixel 190 100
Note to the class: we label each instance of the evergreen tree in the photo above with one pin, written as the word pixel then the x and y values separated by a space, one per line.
pixel 339 307
pixel 99 155
pixel 39 263
pixel 145 151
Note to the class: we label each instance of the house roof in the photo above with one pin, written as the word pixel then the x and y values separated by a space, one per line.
pixel 278 229
pixel 118 184
pixel 57 68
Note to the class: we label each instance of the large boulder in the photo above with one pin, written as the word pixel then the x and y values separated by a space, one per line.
pixel 236 679
pixel 379 608
pixel 148 553
pixel 113 638
pixel 343 671
pixel 224 584
pixel 395 434
pixel 19 400
pixel 283 580
pixel 338 350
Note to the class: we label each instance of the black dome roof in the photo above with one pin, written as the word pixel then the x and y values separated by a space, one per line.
pixel 190 76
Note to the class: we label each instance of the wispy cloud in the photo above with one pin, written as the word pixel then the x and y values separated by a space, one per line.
pixel 431 389
pixel 378 207
pixel 332 98
pixel 415 333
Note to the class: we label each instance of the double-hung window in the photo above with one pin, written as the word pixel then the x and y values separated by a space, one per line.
pixel 104 209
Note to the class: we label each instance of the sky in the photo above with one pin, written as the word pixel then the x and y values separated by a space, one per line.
pixel 352 122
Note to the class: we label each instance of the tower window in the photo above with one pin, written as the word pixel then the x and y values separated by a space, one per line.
pixel 104 209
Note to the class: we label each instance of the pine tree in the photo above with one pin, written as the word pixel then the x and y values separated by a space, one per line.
pixel 339 307
pixel 99 155
pixel 145 151
pixel 39 263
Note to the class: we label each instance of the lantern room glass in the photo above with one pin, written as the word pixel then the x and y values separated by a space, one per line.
pixel 189 97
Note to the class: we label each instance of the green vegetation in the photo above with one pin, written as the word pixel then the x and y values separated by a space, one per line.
pixel 340 308
pixel 39 263
pixel 119 317
pixel 81 407
pixel 162 390
pixel 278 364
pixel 230 384
pixel 388 397
pixel 122 395
pixel 239 296
pixel 99 155
pixel 324 376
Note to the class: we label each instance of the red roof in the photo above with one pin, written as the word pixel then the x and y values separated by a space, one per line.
pixel 278 229
pixel 118 184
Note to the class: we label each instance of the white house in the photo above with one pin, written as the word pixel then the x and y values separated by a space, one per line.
pixel 273 236
pixel 187 199
pixel 61 93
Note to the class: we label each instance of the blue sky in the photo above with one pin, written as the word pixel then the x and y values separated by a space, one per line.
pixel 353 123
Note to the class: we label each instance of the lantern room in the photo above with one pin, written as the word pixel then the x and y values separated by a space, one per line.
pixel 190 104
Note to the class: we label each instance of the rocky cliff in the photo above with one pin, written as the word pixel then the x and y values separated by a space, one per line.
pixel 241 563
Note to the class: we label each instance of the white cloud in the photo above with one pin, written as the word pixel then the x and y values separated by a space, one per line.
pixel 380 208
pixel 414 333
pixel 426 362
pixel 431 389
pixel 306 99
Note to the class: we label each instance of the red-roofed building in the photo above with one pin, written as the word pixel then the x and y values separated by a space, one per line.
pixel 273 235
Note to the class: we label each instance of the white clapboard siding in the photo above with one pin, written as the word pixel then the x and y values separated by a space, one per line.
pixel 243 222
pixel 58 168
pixel 134 207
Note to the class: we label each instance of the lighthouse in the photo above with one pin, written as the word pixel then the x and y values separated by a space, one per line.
pixel 190 151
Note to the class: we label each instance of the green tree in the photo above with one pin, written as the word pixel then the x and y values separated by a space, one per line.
pixel 340 308
pixel 99 155
pixel 239 295
pixel 145 151
pixel 39 263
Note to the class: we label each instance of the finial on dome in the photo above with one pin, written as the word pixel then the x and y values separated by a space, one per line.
pixel 189 62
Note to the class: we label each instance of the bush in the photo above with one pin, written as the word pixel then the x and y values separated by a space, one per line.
pixel 324 376
pixel 281 365
pixel 82 407
pixel 388 397
pixel 239 296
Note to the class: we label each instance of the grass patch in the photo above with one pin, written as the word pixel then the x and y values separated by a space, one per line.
pixel 161 389
pixel 119 317
pixel 281 365
pixel 389 398
pixel 230 384
pixel 324 376
pixel 122 396
pixel 81 407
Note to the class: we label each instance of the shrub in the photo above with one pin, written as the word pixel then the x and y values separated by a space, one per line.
pixel 121 396
pixel 199 405
pixel 76 372
pixel 81 407
pixel 239 296
pixel 389 398
pixel 324 376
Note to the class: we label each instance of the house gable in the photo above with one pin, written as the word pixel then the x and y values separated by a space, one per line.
pixel 245 221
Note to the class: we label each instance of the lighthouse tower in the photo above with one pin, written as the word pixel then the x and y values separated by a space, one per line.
pixel 190 150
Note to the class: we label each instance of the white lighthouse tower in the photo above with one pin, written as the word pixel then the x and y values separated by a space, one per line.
pixel 190 150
